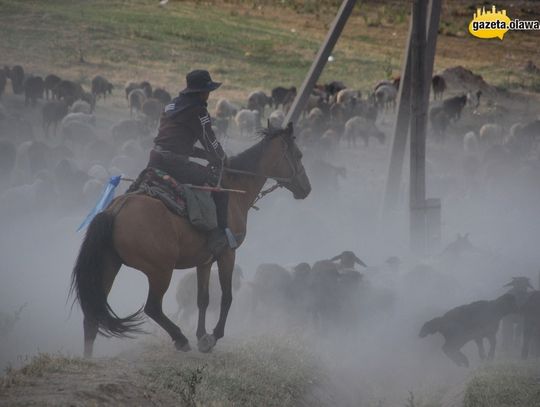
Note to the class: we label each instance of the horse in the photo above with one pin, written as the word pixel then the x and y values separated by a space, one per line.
pixel 140 232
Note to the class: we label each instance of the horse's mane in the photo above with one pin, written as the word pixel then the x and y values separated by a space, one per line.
pixel 248 159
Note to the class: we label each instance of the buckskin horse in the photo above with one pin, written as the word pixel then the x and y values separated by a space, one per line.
pixel 140 232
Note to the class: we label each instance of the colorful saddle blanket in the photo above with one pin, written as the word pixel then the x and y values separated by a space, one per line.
pixel 198 206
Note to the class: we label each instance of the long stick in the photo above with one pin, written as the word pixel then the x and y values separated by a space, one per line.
pixel 201 187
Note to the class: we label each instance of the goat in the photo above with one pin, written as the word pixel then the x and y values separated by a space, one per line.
pixel 283 96
pixel 258 100
pixel 33 90
pixel 453 106
pixel 474 321
pixel 101 86
pixel 162 95
pixel 51 82
pixel 438 84
pixel 52 113
pixel 136 99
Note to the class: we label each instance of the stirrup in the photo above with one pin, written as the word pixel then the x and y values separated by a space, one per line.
pixel 233 244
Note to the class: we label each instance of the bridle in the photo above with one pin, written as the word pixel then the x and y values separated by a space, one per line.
pixel 280 181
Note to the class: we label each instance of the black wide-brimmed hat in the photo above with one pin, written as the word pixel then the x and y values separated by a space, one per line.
pixel 199 80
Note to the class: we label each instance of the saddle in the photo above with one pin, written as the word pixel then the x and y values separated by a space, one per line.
pixel 197 206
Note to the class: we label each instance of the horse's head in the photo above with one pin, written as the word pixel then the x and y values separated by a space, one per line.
pixel 286 166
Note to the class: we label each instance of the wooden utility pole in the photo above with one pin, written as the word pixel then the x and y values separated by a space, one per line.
pixel 401 125
pixel 319 63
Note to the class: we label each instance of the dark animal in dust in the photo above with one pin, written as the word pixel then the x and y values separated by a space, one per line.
pixel 16 75
pixel 69 91
pixel 101 86
pixel 471 322
pixel 52 113
pixel 454 106
pixel 440 121
pixel 282 96
pixel 144 85
pixel 51 82
pixel 136 99
pixel 152 109
pixel 531 326
pixel 272 287
pixel 438 84
pixel 162 95
pixel 33 90
pixel 324 290
pixel 347 260
pixel 258 100
pixel 186 293
pixel 333 88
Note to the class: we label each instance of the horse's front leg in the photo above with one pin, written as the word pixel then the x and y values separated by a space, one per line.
pixel 225 267
pixel 203 297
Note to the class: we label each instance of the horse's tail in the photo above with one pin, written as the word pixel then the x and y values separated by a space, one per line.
pixel 87 280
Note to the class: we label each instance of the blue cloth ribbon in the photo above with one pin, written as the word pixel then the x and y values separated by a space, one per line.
pixel 106 197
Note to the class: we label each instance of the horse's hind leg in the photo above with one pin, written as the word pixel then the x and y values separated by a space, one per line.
pixel 113 264
pixel 158 282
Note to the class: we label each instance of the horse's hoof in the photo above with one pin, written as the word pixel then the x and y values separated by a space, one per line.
pixel 206 343
pixel 184 348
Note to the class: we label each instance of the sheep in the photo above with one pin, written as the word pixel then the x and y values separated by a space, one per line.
pixel 247 120
pixel 147 88
pixel 258 100
pixel 224 111
pixel 530 310
pixel 152 109
pixel 8 321
pixel 16 74
pixel 128 130
pixel 33 90
pixel 276 119
pixel 53 112
pixel 348 97
pixel 282 96
pixel 51 82
pixel 101 86
pixel 162 95
pixel 360 127
pixel 136 99
pixel 453 106
pixel 323 285
pixel 474 321
pixel 385 97
pixel 471 144
pixel 79 128
pixel 80 106
pixel 438 84
pixel 491 134
pixel 186 293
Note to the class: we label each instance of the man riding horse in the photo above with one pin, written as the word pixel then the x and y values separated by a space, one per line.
pixel 185 122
